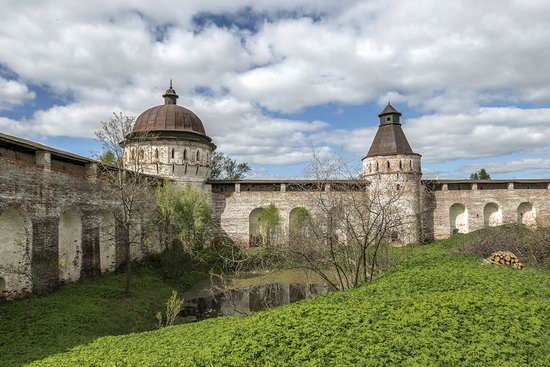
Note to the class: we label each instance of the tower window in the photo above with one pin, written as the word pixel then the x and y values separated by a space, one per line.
pixel 173 168
pixel 156 153
pixel 173 153
pixel 388 164
pixel 185 154
pixel 400 164
pixel 198 155
pixel 388 118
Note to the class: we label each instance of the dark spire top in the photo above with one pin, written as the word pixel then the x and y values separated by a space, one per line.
pixel 390 138
pixel 389 110
pixel 170 96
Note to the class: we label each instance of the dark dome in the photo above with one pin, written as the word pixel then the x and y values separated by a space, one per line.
pixel 169 117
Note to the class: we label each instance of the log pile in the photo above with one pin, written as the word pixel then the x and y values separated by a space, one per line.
pixel 504 258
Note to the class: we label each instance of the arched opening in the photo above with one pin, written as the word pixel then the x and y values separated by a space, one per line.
pixel 492 215
pixel 376 166
pixel 173 154
pixel 15 253
pixel 198 156
pixel 70 246
pixel 526 214
pixel 185 154
pixel 400 165
pixel 107 249
pixel 298 221
pixel 3 289
pixel 388 165
pixel 156 153
pixel 458 216
pixel 254 232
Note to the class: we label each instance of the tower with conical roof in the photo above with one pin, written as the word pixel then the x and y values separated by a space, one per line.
pixel 394 169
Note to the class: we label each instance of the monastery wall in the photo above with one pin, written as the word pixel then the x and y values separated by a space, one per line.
pixel 465 207
pixel 56 221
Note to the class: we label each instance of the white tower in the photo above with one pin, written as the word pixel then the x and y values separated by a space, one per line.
pixel 170 140
pixel 395 169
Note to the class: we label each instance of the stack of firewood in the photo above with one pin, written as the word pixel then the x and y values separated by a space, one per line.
pixel 504 258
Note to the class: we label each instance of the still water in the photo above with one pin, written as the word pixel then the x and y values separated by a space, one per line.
pixel 251 294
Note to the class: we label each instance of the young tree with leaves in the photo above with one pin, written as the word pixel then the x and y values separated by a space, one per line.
pixel 225 168
pixel 480 175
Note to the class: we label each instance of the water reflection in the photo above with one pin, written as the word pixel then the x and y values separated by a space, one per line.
pixel 248 300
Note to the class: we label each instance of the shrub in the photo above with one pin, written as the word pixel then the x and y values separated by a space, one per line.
pixel 532 246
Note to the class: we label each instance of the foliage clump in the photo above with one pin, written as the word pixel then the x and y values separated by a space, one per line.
pixel 433 310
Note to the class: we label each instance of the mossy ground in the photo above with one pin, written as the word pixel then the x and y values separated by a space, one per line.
pixel 76 314
pixel 433 309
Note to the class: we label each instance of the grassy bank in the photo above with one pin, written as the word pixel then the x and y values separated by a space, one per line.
pixel 77 314
pixel 434 309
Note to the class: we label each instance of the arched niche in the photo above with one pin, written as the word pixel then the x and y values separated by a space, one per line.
pixel 526 213
pixel 254 232
pixel 492 215
pixel 70 246
pixel 107 247
pixel 15 253
pixel 458 216
pixel 297 221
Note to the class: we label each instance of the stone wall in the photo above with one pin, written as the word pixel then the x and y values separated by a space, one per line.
pixel 472 206
pixel 55 207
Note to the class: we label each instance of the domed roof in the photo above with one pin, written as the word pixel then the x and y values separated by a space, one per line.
pixel 169 117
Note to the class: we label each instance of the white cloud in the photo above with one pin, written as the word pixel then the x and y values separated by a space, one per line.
pixel 520 165
pixel 13 93
pixel 446 61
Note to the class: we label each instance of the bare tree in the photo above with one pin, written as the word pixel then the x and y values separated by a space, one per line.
pixel 125 177
pixel 350 222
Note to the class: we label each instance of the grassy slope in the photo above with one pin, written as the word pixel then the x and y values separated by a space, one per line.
pixel 77 314
pixel 434 310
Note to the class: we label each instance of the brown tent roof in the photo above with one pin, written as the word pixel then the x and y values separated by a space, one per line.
pixel 390 138
pixel 389 110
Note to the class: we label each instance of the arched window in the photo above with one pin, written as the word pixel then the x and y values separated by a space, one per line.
pixel 185 154
pixel 388 164
pixel 156 153
pixel 400 164
pixel 198 155
pixel 173 153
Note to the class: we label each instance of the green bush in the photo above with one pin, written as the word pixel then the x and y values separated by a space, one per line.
pixel 430 310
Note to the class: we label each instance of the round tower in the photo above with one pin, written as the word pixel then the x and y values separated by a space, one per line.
pixel 395 170
pixel 169 140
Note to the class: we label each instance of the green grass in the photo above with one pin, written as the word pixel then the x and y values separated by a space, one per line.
pixel 434 309
pixel 34 328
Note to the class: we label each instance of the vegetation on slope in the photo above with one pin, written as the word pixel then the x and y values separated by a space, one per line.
pixel 36 327
pixel 434 309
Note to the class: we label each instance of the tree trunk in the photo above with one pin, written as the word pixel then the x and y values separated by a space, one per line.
pixel 128 259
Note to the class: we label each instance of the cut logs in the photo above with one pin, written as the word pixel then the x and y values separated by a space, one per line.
pixel 504 258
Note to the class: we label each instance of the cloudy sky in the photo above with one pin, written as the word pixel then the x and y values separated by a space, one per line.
pixel 272 79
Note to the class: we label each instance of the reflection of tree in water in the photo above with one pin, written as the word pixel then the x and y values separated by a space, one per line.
pixel 249 300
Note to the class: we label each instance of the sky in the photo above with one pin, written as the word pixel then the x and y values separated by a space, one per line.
pixel 274 80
